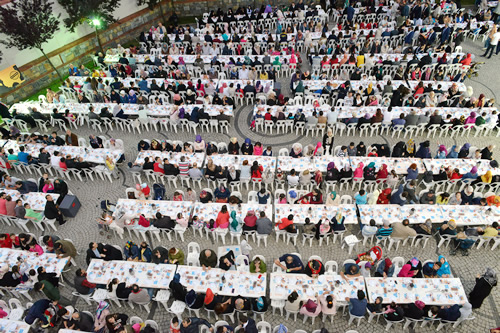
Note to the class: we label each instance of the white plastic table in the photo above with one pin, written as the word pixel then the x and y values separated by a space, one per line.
pixel 315 212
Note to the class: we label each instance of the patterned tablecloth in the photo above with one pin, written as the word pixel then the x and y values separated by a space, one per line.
pixel 463 215
pixel 49 261
pixel 129 109
pixel 11 326
pixel 89 154
pixel 463 165
pixel 173 158
pixel 346 111
pixel 400 165
pixel 150 207
pixel 36 200
pixel 315 213
pixel 307 110
pixel 314 85
pixel 287 163
pixel 226 160
pixel 442 291
pixel 188 58
pixel 210 210
pixel 283 284
pixel 148 275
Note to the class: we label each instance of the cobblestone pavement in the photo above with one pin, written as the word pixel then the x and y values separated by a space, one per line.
pixel 83 229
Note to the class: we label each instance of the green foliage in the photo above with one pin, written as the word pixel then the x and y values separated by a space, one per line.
pixel 81 11
pixel 28 23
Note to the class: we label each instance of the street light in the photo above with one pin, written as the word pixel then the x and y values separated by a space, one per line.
pixel 96 22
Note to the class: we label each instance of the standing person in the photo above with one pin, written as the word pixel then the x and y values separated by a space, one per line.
pixel 493 44
pixel 52 211
pixel 483 287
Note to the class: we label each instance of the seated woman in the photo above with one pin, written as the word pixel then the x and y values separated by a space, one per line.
pixel 337 223
pixel 222 194
pixel 449 313
pixel 393 312
pixel 406 271
pixel 385 268
pixel 314 198
pixel 414 310
pixel 257 266
pixel 376 307
pixel 424 229
pixel 311 308
pixel 222 220
pixel 444 271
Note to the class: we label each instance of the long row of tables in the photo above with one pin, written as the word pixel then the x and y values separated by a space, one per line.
pixel 347 111
pixel 93 155
pixel 49 261
pixel 148 275
pixel 416 214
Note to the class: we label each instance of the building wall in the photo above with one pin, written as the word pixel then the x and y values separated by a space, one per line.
pixel 77 48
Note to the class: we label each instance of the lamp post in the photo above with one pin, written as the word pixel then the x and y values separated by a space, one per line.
pixel 96 22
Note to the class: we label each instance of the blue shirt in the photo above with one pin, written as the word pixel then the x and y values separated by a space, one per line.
pixel 294 264
pixel 357 307
pixel 22 157
pixel 361 199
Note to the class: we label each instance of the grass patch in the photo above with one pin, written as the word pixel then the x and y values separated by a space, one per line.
pixel 54 86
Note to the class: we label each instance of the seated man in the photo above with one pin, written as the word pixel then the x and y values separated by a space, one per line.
pixel 82 285
pixel 208 259
pixel 369 230
pixel 350 271
pixel 293 264
pixel 385 231
pixel 449 228
pixel 403 230
pixel 357 306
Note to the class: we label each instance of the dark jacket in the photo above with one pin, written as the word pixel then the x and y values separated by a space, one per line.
pixel 112 253
pixel 91 255
pixel 37 311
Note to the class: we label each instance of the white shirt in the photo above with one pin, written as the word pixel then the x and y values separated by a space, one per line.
pixel 54 161
pixel 292 180
pixel 243 74
pixel 495 39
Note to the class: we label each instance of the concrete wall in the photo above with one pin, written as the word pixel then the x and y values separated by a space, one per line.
pixel 76 48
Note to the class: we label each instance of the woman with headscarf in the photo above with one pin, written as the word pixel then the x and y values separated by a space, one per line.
pixel 318 150
pixel 358 172
pixel 222 194
pixel 384 196
pixel 233 147
pixel 406 271
pixel 296 151
pixel 487 177
pixel 328 141
pixel 383 172
pixel 442 152
pixel 453 153
pixel 410 148
pixel 235 223
pixel 483 287
pixel 464 151
pixel 472 174
pixel 337 222
pixel 416 266
pixel 332 174
pixel 247 147
pixel 100 317
pixel 424 151
pixel 423 229
pixel 233 174
pixel 369 172
pixel 444 271
pixel 385 268
pixel 369 90
pixel 332 199
pixel 346 171
pixel 470 120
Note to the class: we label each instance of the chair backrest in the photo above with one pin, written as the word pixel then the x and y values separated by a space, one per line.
pixel 252 197
pixel 346 200
pixel 135 320
pixel 276 328
pixel 315 258
pixel 264 327
pixel 283 152
pixel 151 323
pixel 242 263
pixel 331 267
pixel 193 247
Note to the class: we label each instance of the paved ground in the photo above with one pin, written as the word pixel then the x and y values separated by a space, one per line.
pixel 83 229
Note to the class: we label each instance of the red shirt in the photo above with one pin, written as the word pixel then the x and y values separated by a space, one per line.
pixel 6 243
pixel 285 222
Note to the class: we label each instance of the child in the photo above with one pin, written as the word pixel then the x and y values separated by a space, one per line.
pixel 373 153
pixel 268 151
pixel 282 199
pixel 177 196
pixel 175 327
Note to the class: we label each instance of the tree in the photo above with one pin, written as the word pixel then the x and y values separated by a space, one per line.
pixel 151 5
pixel 97 13
pixel 29 24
